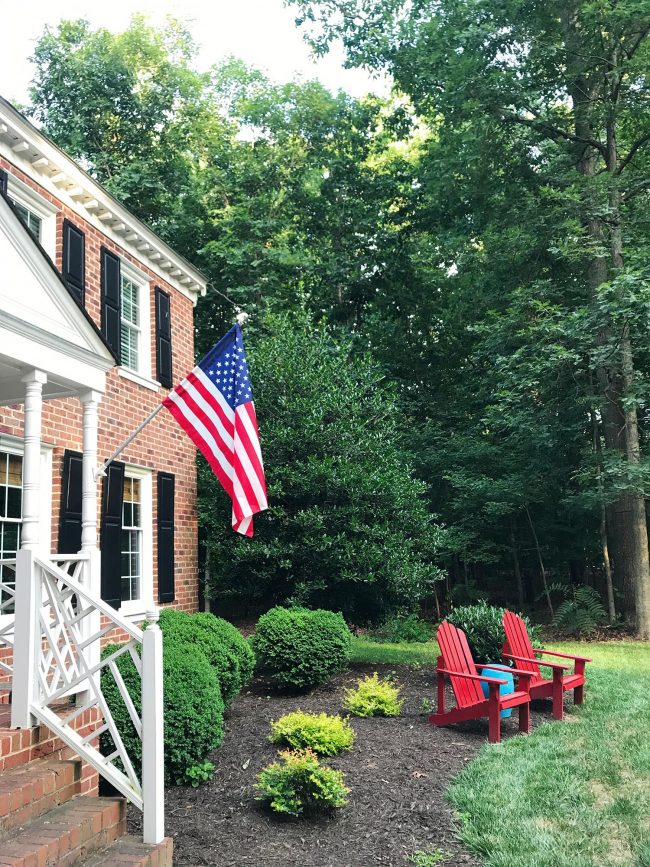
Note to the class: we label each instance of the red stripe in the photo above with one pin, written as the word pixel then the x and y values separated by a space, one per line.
pixel 201 445
pixel 242 477
pixel 212 400
pixel 243 438
pixel 250 450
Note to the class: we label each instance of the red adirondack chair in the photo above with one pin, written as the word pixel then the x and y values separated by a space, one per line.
pixel 456 662
pixel 518 648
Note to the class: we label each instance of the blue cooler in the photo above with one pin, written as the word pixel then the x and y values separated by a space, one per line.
pixel 504 688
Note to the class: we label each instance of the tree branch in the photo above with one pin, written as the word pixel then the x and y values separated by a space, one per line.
pixel 555 132
pixel 630 156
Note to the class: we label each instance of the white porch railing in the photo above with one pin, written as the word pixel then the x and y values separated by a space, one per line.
pixel 7 595
pixel 69 622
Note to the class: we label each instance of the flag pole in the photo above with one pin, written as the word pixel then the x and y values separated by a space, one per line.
pixel 101 471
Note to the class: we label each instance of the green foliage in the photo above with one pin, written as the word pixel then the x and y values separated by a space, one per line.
pixel 581 612
pixel 427 859
pixel 402 628
pixel 301 649
pixel 299 785
pixel 325 735
pixel 348 525
pixel 224 646
pixel 373 697
pixel 192 704
pixel 483 626
pixel 197 774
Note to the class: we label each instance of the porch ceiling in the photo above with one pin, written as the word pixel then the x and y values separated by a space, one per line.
pixel 12 389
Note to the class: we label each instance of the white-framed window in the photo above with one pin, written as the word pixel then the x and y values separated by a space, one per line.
pixel 137 541
pixel 135 325
pixel 37 213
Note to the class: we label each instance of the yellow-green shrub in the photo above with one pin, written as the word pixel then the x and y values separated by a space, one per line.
pixel 373 697
pixel 325 735
pixel 299 784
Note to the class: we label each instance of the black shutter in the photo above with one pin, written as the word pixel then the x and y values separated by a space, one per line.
pixel 166 537
pixel 74 259
pixel 163 339
pixel 111 308
pixel 111 534
pixel 70 517
pixel 4 185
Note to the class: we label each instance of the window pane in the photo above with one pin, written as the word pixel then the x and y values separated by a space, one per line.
pixel 14 502
pixel 15 472
pixel 29 218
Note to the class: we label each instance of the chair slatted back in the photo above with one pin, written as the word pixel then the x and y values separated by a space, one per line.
pixel 519 644
pixel 457 656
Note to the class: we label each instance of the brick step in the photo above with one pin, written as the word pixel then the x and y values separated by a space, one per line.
pixel 30 790
pixel 66 835
pixel 131 850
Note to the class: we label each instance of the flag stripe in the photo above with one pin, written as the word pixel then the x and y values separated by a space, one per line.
pixel 249 421
pixel 204 411
pixel 193 422
pixel 247 456
pixel 215 396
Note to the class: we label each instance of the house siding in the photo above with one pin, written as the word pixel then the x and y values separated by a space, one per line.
pixel 161 446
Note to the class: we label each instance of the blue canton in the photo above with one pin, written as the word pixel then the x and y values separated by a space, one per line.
pixel 225 365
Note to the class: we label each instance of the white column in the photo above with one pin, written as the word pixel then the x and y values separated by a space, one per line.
pixel 90 401
pixel 28 585
pixel 91 576
pixel 30 532
pixel 153 753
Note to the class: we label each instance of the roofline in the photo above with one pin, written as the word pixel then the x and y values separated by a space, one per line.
pixel 32 152
pixel 59 277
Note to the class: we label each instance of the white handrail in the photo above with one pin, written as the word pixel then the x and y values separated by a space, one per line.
pixel 67 628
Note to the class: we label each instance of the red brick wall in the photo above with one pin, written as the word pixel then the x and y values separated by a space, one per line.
pixel 162 445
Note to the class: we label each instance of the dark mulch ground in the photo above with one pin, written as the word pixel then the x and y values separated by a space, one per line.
pixel 397 771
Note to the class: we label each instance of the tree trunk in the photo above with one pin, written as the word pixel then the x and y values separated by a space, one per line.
pixel 542 570
pixel 515 562
pixel 604 544
pixel 628 527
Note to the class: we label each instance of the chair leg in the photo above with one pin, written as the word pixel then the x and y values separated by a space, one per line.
pixel 579 694
pixel 494 716
pixel 558 695
pixel 524 717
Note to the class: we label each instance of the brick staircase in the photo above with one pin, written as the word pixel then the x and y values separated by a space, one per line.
pixel 50 812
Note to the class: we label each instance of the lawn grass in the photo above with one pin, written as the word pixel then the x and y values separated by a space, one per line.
pixel 573 794
pixel 403 653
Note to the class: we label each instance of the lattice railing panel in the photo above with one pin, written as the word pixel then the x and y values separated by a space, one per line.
pixel 70 620
pixel 7 603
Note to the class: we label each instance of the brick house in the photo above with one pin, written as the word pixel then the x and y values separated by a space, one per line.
pixel 96 324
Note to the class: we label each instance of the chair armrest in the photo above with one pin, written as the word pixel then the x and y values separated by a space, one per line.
pixel 470 676
pixel 513 670
pixel 563 655
pixel 537 662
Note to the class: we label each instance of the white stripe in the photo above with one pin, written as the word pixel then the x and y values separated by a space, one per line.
pixel 248 468
pixel 216 394
pixel 205 433
pixel 209 410
pixel 238 491
pixel 243 527
pixel 252 434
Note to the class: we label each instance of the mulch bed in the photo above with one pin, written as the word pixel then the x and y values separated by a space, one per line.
pixel 397 770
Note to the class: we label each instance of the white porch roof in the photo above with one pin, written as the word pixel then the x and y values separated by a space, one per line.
pixel 42 326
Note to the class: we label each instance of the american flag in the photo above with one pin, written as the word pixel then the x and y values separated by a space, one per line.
pixel 214 406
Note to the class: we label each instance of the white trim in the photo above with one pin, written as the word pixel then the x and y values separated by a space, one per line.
pixel 143 373
pixel 127 373
pixel 45 211
pixel 137 607
pixel 50 167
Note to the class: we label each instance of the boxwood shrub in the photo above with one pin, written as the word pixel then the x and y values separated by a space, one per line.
pixel 192 702
pixel 224 646
pixel 300 649
pixel 483 626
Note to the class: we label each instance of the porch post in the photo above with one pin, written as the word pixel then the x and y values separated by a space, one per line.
pixel 28 592
pixel 92 576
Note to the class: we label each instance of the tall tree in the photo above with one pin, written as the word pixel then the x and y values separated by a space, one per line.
pixel 568 81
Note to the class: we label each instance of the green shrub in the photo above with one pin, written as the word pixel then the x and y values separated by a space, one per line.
pixel 298 784
pixel 301 649
pixel 224 646
pixel 483 626
pixel 192 702
pixel 373 697
pixel 325 735
pixel 402 628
